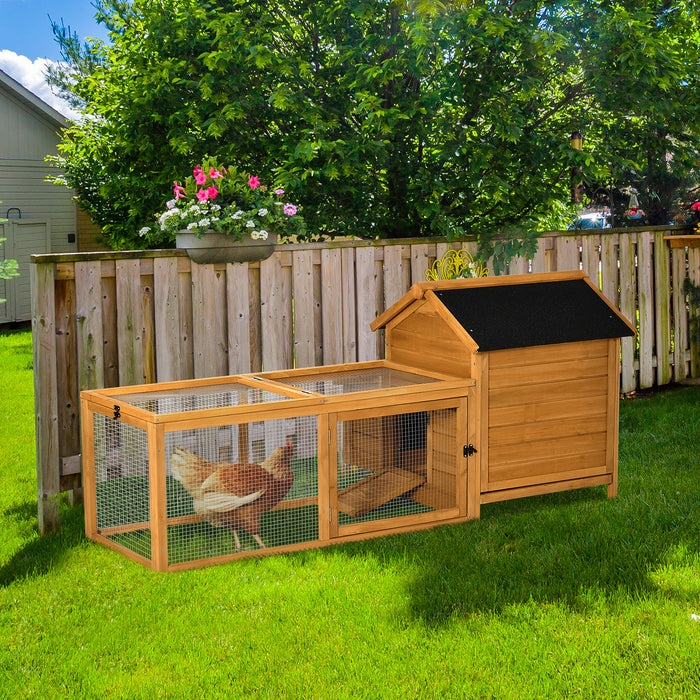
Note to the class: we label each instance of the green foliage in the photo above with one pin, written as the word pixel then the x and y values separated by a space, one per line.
pixel 382 119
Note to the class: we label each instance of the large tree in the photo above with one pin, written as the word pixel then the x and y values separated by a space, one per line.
pixel 382 118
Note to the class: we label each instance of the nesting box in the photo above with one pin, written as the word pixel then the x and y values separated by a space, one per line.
pixel 543 351
pixel 189 473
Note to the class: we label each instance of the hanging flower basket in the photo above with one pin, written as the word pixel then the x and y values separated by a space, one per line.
pixel 217 247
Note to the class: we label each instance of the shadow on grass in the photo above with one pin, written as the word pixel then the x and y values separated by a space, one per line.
pixel 569 547
pixel 40 554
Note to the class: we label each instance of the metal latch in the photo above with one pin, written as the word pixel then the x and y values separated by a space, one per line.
pixel 469 450
pixel 117 411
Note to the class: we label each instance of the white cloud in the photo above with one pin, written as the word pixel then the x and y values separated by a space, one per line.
pixel 30 74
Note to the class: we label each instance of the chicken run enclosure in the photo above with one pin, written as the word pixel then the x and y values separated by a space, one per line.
pixel 492 389
pixel 187 473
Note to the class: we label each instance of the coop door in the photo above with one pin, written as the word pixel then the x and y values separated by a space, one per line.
pixel 398 467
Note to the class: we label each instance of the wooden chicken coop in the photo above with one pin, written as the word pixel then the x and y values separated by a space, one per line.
pixel 492 388
pixel 203 471
pixel 544 353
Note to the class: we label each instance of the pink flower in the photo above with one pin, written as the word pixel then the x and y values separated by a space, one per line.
pixel 289 209
pixel 215 174
pixel 212 192
pixel 199 175
pixel 254 182
pixel 696 206
pixel 279 190
pixel 203 195
pixel 178 190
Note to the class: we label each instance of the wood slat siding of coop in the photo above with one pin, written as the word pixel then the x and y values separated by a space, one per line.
pixel 532 415
pixel 331 306
pixel 646 309
pixel 680 318
pixel 129 322
pixel 422 339
pixel 166 298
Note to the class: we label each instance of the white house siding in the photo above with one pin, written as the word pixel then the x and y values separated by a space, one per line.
pixel 29 131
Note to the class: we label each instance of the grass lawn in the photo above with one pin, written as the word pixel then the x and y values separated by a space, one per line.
pixel 568 595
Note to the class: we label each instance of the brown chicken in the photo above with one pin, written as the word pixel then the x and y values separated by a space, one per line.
pixel 236 495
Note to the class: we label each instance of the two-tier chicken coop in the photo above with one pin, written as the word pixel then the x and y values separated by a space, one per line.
pixel 492 389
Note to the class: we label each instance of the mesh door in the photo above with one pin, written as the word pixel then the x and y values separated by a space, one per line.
pixel 122 484
pixel 241 487
pixel 396 465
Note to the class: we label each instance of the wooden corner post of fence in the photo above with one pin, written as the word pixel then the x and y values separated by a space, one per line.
pixel 45 396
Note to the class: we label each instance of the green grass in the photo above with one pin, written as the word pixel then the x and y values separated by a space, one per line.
pixel 568 595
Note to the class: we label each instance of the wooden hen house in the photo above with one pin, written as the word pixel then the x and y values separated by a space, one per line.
pixel 543 351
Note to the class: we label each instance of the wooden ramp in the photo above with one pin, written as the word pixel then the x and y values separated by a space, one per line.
pixel 375 490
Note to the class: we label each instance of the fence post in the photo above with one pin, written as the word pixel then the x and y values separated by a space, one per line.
pixel 45 396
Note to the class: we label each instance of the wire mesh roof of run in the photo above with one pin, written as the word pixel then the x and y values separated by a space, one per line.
pixel 522 315
pixel 199 397
pixel 356 380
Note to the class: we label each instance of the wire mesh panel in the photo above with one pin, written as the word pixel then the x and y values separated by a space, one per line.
pixel 195 398
pixel 365 379
pixel 396 465
pixel 122 484
pixel 241 487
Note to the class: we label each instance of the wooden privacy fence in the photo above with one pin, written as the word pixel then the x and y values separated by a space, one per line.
pixel 113 319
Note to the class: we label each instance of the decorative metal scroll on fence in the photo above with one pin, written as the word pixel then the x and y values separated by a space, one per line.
pixel 114 319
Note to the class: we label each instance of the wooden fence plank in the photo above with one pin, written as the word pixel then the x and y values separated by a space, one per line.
pixel 646 309
pixel 274 353
pixel 694 330
pixel 367 309
pixel 331 306
pixel 166 295
pixel 628 288
pixel 45 395
pixel 393 274
pixel 680 319
pixel 255 318
pixel 67 370
pixel 237 290
pixel 567 253
pixel 209 317
pixel 149 326
pixel 662 306
pixel 539 261
pixel 420 262
pixel 129 322
pixel 590 259
pixel 185 336
pixel 303 293
pixel 609 253
pixel 349 305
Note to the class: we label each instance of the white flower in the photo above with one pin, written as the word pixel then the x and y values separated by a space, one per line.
pixel 144 231
pixel 259 235
pixel 171 203
pixel 250 224
pixel 262 212
pixel 204 222
pixel 237 215
pixel 216 207
pixel 192 226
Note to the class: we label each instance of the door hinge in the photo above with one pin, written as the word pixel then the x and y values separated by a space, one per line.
pixel 469 450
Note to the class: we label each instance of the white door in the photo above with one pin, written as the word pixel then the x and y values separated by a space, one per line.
pixel 24 238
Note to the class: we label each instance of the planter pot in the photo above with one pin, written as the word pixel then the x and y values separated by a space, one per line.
pixel 217 247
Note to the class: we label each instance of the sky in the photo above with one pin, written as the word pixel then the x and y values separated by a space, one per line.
pixel 27 43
